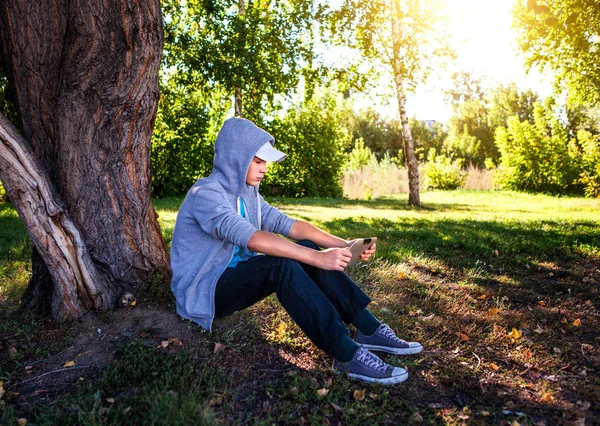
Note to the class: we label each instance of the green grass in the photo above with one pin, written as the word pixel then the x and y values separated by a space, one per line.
pixel 457 274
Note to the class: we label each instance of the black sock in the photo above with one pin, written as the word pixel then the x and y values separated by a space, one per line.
pixel 344 348
pixel 365 322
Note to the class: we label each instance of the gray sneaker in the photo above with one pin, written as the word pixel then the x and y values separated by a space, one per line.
pixel 369 368
pixel 384 339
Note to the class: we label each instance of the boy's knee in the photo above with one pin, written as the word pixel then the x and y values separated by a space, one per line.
pixel 309 244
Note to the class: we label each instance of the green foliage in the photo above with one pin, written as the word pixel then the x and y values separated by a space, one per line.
pixel 314 142
pixel 187 122
pixel 378 133
pixel 590 163
pixel 2 193
pixel 7 105
pixel 263 51
pixel 563 36
pixel 465 146
pixel 442 172
pixel 360 156
pixel 426 135
pixel 537 157
pixel 477 112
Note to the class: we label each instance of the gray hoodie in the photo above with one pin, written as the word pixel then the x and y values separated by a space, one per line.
pixel 209 224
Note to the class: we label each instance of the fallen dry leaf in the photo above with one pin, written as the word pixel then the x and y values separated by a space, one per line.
pixel 322 392
pixel 539 330
pixel 557 351
pixel 462 336
pixel 336 407
pixel 514 334
pixel 547 397
pixel 542 303
pixel 133 303
pixel 482 297
pixel 493 311
pixel 219 347
pixel 176 341
pixel 110 400
pixel 527 352
pixel 2 391
pixel 328 383
pixel 69 364
pixel 494 367
pixel 515 423
pixel 164 344
pixel 359 395
pixel 21 422
pixel 586 347
pixel 577 323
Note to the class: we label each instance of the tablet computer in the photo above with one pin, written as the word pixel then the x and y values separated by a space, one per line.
pixel 358 247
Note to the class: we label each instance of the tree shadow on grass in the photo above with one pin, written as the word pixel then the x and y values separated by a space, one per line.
pixel 475 281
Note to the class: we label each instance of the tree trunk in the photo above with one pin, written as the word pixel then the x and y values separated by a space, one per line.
pixel 398 67
pixel 55 236
pixel 239 111
pixel 409 148
pixel 238 102
pixel 85 78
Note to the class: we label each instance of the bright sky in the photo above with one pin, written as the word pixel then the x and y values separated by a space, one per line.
pixel 485 45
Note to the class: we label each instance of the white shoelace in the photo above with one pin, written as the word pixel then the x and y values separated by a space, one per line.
pixel 386 331
pixel 371 360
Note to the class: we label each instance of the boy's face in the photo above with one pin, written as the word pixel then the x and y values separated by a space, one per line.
pixel 256 171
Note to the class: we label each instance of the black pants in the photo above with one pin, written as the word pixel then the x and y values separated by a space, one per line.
pixel 319 301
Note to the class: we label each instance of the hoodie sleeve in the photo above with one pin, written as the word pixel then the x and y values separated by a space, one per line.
pixel 272 220
pixel 220 220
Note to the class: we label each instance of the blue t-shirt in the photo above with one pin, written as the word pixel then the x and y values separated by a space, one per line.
pixel 240 254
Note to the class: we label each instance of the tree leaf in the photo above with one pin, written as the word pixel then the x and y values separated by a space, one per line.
pixel 322 392
pixel 359 395
pixel 493 311
pixel 577 323
pixel 462 336
pixel 69 364
pixel 494 367
pixel 514 334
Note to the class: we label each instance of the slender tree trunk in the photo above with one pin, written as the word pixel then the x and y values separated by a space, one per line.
pixel 239 111
pixel 238 102
pixel 85 77
pixel 409 149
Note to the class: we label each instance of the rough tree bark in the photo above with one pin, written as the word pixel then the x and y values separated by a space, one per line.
pixel 85 78
pixel 409 148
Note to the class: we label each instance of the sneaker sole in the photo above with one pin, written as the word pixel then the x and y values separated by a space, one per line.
pixel 387 381
pixel 395 351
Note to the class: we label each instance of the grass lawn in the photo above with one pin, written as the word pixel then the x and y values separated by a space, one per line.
pixel 501 288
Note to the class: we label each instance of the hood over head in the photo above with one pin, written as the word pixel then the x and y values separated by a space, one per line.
pixel 236 145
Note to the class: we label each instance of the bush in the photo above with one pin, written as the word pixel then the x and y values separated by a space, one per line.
pixel 444 173
pixel 2 193
pixel 314 142
pixel 590 163
pixel 187 123
pixel 360 156
pixel 538 157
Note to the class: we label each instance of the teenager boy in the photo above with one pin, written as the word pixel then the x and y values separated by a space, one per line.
pixel 224 222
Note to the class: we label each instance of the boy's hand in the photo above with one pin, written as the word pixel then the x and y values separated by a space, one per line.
pixel 368 252
pixel 333 259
